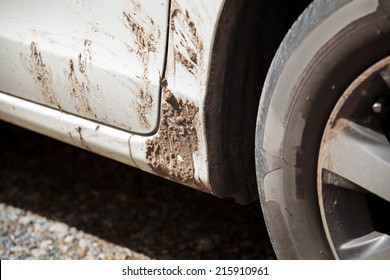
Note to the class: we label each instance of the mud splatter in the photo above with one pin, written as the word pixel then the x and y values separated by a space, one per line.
pixel 170 99
pixel 145 44
pixel 80 91
pixel 85 57
pixel 82 63
pixel 80 84
pixel 188 46
pixel 42 75
pixel 146 41
pixel 80 136
pixel 79 129
pixel 143 105
pixel 170 154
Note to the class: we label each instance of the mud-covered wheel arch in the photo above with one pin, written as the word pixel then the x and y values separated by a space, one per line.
pixel 248 35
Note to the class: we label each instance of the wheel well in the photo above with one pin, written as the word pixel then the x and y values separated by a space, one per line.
pixel 248 35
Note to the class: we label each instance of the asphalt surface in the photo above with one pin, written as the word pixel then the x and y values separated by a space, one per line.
pixel 61 202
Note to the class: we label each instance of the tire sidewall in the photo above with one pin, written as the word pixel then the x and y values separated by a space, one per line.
pixel 320 56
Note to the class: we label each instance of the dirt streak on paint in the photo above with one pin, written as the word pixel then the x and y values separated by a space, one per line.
pixel 81 88
pixel 145 43
pixel 41 74
pixel 187 44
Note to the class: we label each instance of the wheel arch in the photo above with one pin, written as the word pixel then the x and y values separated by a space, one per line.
pixel 248 35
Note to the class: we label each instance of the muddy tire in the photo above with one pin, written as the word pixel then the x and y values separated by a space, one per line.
pixel 323 197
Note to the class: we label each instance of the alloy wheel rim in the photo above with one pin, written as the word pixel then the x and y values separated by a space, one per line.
pixel 353 175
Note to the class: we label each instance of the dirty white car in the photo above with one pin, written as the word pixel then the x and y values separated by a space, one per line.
pixel 186 90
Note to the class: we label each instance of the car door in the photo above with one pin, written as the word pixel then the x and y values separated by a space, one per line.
pixel 101 60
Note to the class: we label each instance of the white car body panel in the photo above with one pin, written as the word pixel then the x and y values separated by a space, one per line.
pixel 176 147
pixel 101 60
pixel 98 138
pixel 187 81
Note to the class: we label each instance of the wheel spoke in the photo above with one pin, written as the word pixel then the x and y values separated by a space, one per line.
pixel 374 245
pixel 360 155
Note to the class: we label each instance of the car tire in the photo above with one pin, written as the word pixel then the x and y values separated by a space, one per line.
pixel 329 70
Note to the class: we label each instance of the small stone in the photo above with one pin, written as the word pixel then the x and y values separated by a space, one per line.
pixel 12 216
pixel 64 248
pixel 18 249
pixel 101 256
pixel 81 252
pixel 37 228
pixel 83 243
pixel 38 253
pixel 69 239
pixel 25 220
pixel 89 256
pixel 45 244
pixel 59 228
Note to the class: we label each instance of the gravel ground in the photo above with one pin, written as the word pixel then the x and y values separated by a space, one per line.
pixel 60 202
